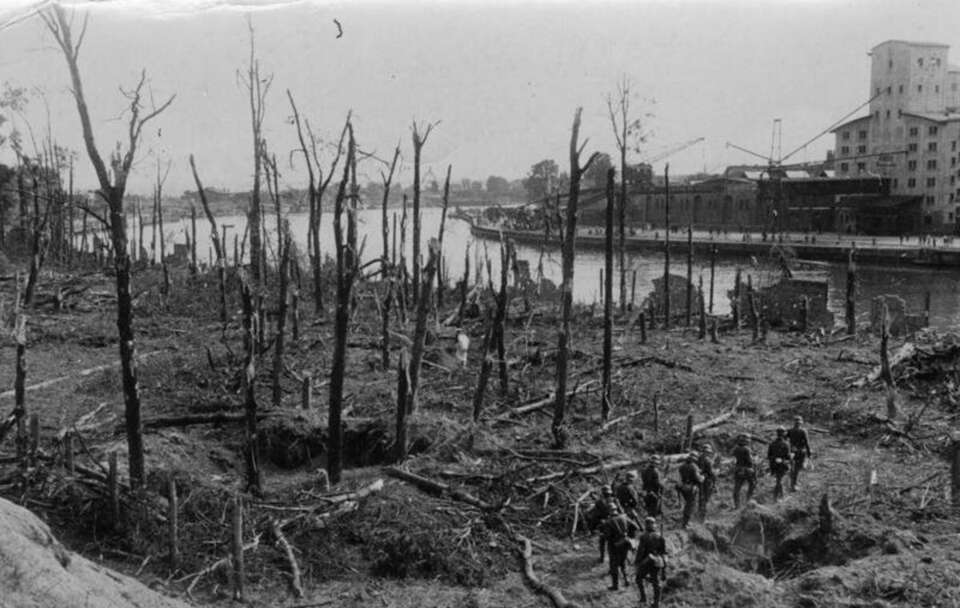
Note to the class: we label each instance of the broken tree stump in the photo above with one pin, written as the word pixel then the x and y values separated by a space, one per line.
pixel 307 391
pixel 825 516
pixel 113 488
pixel 237 547
pixel 173 523
pixel 885 373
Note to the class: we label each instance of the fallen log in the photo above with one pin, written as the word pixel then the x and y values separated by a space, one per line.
pixel 902 354
pixel 699 428
pixel 554 595
pixel 217 565
pixel 81 374
pixel 599 468
pixel 296 582
pixel 612 423
pixel 440 489
pixel 549 399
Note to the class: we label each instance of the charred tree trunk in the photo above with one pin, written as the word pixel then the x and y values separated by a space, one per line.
pixel 346 273
pixel 418 143
pixel 500 321
pixel 420 330
pixel 403 389
pixel 713 269
pixel 218 246
pixel 194 267
pixel 666 249
pixel 485 366
pixel 851 295
pixel 689 314
pixel 388 270
pixel 443 220
pixel 250 319
pixel 558 426
pixel 606 396
pixel 278 348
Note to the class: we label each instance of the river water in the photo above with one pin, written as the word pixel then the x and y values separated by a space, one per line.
pixel 910 283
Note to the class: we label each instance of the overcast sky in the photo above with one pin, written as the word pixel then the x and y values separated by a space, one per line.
pixel 503 78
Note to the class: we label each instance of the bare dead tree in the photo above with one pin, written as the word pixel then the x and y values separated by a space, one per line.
pixel 628 132
pixel 158 201
pixel 566 289
pixel 316 186
pixel 387 274
pixel 420 329
pixel 507 253
pixel 418 142
pixel 250 320
pixel 443 222
pixel 218 247
pixel 113 192
pixel 257 89
pixel 606 397
pixel 285 239
pixel 347 269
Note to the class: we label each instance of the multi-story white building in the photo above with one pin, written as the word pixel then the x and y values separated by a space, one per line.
pixel 912 131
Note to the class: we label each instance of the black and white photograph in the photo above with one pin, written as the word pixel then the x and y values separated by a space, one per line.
pixel 479 303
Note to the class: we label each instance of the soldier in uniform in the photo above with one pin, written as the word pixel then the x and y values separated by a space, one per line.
pixel 778 457
pixel 651 561
pixel 629 496
pixel 800 446
pixel 605 508
pixel 652 487
pixel 690 480
pixel 744 471
pixel 705 464
pixel 618 532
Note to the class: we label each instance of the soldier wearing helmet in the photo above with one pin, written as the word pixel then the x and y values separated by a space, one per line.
pixel 687 488
pixel 705 462
pixel 651 561
pixel 744 471
pixel 628 495
pixel 652 487
pixel 778 457
pixel 800 447
pixel 603 509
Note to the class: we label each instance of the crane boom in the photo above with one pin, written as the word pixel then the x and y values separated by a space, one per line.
pixel 671 151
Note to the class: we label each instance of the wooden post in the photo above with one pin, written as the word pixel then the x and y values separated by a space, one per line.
pixel 34 438
pixel 804 314
pixel 826 515
pixel 688 435
pixel 702 333
pixel 643 327
pixel 193 239
pixel 113 487
pixel 606 396
pixel 307 391
pixel 955 469
pixel 403 387
pixel 666 248
pixel 926 309
pixel 68 452
pixel 885 373
pixel 633 290
pixel 600 293
pixel 713 269
pixel 755 315
pixel 713 331
pixel 173 514
pixel 656 414
pixel 851 295
pixel 737 288
pixel 689 315
pixel 237 548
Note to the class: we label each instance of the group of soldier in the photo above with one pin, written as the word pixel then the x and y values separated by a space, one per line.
pixel 624 507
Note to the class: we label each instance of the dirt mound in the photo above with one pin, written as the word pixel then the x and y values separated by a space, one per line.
pixel 36 571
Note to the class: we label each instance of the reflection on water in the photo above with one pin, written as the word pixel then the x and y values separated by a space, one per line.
pixel 910 283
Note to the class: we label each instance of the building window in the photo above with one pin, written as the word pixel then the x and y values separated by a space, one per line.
pixel 936 88
pixel 912 182
pixel 932 146
pixel 888 113
pixel 900 89
pixel 912 147
pixel 953 179
pixel 911 165
pixel 844 167
pixel 889 64
pixel 919 88
pixel 932 164
pixel 932 130
pixel 878 91
pixel 861 149
pixel 896 183
pixel 920 62
pixel 930 201
pixel 953 161
pixel 936 61
pixel 931 182
pixel 950 216
pixel 861 135
pixel 844 150
pixel 845 136
pixel 861 167
pixel 914 131
pixel 953 146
